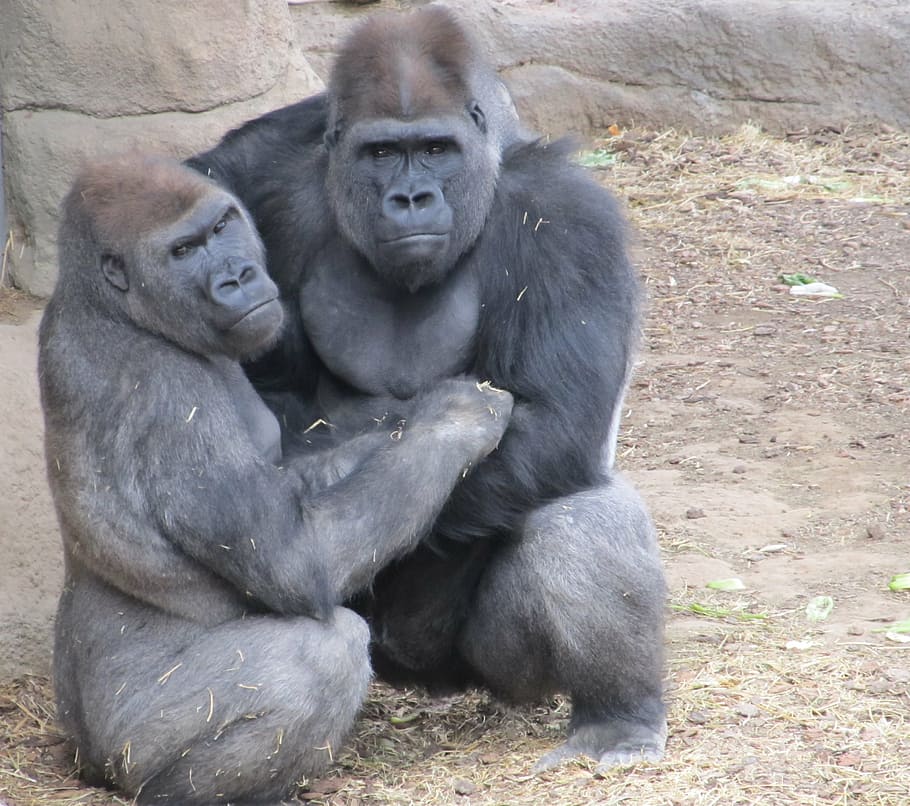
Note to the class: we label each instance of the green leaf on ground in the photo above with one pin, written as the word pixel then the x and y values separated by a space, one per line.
pixel 819 608
pixel 598 158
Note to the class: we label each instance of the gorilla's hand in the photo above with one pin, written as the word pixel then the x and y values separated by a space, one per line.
pixel 319 470
pixel 389 503
pixel 476 414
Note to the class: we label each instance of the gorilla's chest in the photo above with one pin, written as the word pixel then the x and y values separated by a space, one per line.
pixel 261 424
pixel 385 341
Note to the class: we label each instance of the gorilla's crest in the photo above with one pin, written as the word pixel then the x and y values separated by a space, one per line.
pixel 109 201
pixel 402 66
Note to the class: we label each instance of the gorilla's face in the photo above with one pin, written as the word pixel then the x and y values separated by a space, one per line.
pixel 412 195
pixel 201 282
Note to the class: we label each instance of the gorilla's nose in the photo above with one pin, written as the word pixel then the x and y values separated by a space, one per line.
pixel 230 287
pixel 418 203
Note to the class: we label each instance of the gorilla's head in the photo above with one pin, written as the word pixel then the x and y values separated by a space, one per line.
pixel 152 241
pixel 413 159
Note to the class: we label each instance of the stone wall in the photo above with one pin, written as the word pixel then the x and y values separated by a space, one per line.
pixel 81 79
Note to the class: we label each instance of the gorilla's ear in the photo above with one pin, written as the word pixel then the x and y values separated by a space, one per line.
pixel 114 271
pixel 477 116
pixel 330 138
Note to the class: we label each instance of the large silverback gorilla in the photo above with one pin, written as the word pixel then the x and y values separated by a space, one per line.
pixel 417 232
pixel 200 655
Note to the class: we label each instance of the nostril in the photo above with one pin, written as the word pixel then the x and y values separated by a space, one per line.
pixel 401 201
pixel 225 288
pixel 247 274
pixel 407 202
pixel 423 200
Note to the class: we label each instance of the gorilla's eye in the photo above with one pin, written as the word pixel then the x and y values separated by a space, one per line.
pixel 436 147
pixel 181 250
pixel 220 225
pixel 381 152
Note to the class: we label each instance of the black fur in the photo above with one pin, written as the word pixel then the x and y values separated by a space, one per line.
pixel 201 654
pixel 537 296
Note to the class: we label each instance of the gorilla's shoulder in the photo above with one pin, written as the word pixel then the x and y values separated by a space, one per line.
pixel 554 230
pixel 302 122
pixel 542 176
pixel 245 159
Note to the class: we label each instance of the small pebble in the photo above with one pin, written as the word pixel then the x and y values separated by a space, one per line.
pixel 874 531
pixel 694 513
pixel 739 469
pixel 462 786
pixel 898 675
pixel 748 710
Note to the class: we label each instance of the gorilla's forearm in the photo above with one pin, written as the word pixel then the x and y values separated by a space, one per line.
pixel 322 469
pixel 375 515
pixel 304 538
pixel 258 541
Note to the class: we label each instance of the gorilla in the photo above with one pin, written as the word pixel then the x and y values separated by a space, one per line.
pixel 201 655
pixel 416 232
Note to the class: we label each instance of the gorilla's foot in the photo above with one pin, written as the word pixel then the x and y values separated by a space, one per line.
pixel 611 743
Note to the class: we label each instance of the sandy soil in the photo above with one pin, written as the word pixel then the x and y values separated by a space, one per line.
pixel 769 435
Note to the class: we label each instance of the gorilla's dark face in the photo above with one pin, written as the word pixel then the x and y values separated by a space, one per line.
pixel 412 195
pixel 200 282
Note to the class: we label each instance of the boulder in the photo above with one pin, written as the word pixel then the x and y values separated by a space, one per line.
pixel 704 65
pixel 31 558
pixel 44 148
pixel 133 57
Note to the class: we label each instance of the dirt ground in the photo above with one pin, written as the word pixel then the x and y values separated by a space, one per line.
pixel 769 436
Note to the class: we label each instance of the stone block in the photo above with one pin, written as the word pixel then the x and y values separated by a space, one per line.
pixel 132 56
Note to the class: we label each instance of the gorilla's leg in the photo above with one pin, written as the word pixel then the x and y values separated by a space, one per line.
pixel 416 609
pixel 174 712
pixel 576 605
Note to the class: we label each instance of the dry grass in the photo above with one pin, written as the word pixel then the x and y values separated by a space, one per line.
pixel 751 720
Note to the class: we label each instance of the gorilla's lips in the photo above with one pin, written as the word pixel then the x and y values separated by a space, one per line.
pixel 267 315
pixel 417 237
pixel 413 248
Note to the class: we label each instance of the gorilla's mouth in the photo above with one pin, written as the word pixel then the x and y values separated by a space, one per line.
pixel 256 313
pixel 416 238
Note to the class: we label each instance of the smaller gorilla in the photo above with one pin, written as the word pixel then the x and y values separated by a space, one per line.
pixel 200 652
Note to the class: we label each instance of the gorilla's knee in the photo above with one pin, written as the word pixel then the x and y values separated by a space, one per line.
pixel 576 603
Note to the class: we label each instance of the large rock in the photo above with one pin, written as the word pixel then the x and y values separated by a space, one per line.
pixel 134 56
pixel 706 65
pixel 31 557
pixel 43 149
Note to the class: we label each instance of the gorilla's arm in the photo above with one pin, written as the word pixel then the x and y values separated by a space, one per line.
pixel 297 552
pixel 244 160
pixel 392 491
pixel 320 469
pixel 559 325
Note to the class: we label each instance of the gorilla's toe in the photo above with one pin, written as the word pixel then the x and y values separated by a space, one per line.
pixel 611 743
